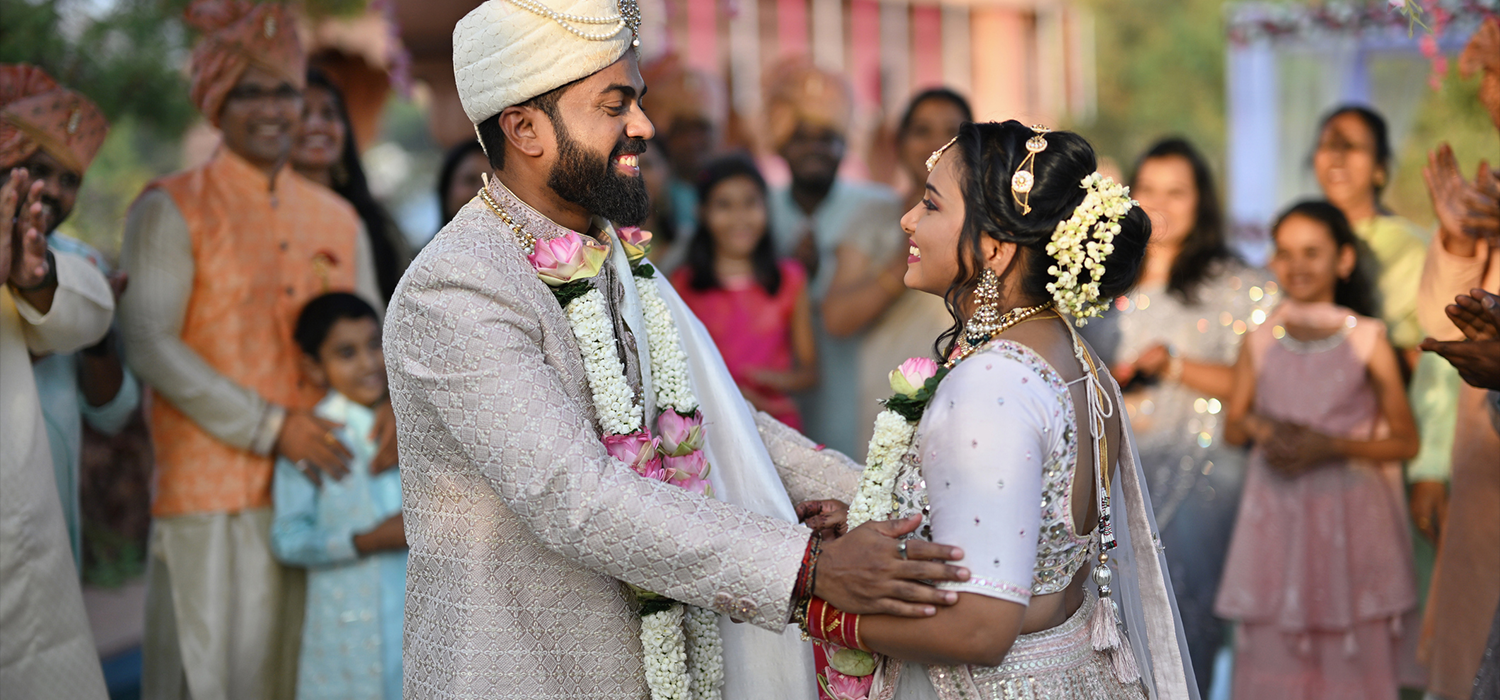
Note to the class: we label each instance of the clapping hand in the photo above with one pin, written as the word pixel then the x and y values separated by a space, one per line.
pixel 1477 356
pixel 1470 210
pixel 1293 450
pixel 23 262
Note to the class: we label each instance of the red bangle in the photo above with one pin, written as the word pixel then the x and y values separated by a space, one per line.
pixel 826 623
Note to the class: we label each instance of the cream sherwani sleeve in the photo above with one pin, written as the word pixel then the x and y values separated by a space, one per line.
pixel 46 649
pixel 808 471
pixel 158 254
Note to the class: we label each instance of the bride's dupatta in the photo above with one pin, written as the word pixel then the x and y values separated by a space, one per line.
pixel 1142 588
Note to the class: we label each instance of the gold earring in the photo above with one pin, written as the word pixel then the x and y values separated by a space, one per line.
pixel 986 319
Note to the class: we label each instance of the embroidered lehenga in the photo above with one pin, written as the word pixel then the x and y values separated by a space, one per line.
pixel 991 469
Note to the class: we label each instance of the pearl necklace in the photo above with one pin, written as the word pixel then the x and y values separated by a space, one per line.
pixel 1011 319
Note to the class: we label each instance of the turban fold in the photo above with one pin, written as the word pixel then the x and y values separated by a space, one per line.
pixel 236 35
pixel 36 112
pixel 799 92
pixel 506 52
pixel 680 92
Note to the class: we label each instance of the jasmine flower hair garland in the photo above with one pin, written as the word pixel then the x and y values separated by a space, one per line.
pixel 1082 242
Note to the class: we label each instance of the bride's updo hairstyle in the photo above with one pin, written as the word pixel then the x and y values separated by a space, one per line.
pixel 987 156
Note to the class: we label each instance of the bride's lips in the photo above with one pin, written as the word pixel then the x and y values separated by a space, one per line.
pixel 913 253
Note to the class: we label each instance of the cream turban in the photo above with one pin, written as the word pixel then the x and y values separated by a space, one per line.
pixel 506 52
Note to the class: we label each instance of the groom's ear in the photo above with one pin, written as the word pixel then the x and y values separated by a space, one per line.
pixel 527 130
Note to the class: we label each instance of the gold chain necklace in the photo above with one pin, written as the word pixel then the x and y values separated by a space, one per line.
pixel 1011 319
pixel 527 241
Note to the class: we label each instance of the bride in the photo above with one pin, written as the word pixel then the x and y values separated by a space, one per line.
pixel 1013 449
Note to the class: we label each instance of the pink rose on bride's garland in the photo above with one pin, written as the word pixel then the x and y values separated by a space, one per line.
pixel 637 243
pixel 638 451
pixel 567 258
pixel 680 435
pixel 908 379
pixel 841 687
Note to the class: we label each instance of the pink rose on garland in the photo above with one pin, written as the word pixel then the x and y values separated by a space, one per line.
pixel 637 243
pixel 690 472
pixel 841 687
pixel 638 450
pixel 908 379
pixel 567 258
pixel 680 435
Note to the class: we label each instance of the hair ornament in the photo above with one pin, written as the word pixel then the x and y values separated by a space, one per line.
pixel 1080 245
pixel 1025 177
pixel 932 160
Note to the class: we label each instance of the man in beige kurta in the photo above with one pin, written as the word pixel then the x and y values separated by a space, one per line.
pixel 46 649
pixel 524 531
pixel 50 302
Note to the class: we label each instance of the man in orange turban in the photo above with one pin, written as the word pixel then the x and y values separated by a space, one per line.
pixel 222 258
pixel 50 302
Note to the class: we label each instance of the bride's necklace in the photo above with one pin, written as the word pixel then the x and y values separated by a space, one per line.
pixel 1010 319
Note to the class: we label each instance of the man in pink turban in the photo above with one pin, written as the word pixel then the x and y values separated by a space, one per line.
pixel 222 258
pixel 50 302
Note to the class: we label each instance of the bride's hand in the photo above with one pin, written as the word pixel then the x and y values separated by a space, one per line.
pixel 827 517
pixel 863 572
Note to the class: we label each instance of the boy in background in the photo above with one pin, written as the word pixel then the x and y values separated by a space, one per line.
pixel 349 532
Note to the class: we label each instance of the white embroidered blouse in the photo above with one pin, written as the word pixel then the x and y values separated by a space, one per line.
pixel 991 469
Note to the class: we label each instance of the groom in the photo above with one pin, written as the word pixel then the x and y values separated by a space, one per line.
pixel 523 530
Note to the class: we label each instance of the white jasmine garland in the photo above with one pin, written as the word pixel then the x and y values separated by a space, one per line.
pixel 705 654
pixel 684 655
pixel 669 364
pixel 619 413
pixel 1082 242
pixel 892 438
pixel 666 654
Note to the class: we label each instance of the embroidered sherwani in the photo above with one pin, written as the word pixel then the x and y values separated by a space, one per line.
pixel 523 531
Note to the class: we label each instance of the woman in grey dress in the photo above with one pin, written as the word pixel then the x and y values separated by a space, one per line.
pixel 1179 334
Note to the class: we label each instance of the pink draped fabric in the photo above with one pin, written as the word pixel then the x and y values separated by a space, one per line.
pixel 1319 568
pixel 753 329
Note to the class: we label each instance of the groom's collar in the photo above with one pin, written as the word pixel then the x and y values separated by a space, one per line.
pixel 536 223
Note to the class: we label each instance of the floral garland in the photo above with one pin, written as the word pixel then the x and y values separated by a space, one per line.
pixel 1082 242
pixel 684 654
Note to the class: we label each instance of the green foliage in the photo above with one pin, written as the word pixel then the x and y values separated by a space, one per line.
pixel 567 292
pixel 127 58
pixel 1160 72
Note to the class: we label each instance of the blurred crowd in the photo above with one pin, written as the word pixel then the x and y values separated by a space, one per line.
pixel 243 319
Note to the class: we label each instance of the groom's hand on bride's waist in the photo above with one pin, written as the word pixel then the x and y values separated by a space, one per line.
pixel 862 572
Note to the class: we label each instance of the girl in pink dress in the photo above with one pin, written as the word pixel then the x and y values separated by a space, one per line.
pixel 755 307
pixel 1319 573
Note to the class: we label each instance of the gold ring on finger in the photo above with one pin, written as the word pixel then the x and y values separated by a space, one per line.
pixel 330 439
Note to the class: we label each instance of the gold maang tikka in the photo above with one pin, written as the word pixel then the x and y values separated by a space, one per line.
pixel 1025 177
pixel 932 160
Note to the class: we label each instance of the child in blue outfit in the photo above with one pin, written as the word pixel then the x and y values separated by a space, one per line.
pixel 349 532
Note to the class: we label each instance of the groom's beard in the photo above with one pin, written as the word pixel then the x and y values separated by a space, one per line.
pixel 592 182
